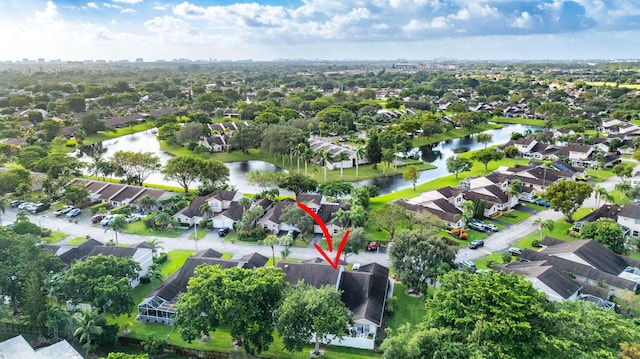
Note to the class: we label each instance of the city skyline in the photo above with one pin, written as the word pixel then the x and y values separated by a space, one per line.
pixel 319 29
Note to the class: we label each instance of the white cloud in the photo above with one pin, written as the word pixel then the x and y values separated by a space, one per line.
pixel 439 22
pixel 475 10
pixel 128 11
pixel 92 5
pixel 49 14
pixel 523 21
pixel 160 7
pixel 380 26
pixel 131 2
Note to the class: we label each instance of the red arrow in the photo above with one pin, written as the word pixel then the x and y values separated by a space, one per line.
pixel 334 263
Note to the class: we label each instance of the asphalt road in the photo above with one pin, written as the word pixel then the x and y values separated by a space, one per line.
pixel 496 242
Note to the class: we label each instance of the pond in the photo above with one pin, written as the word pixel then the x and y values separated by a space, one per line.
pixel 146 141
pixel 436 154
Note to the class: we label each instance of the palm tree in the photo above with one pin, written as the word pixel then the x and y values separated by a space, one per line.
pixel 325 156
pixel 4 203
pixel 397 148
pixel 286 241
pixel 342 216
pixel 271 241
pixel 23 189
pixel 299 152
pixel 87 329
pixel 342 156
pixel 52 286
pixel 147 203
pixel 22 216
pixel 154 273
pixel 206 210
pixel 601 194
pixel 360 151
pixel 544 224
pixel 468 209
pixel 156 245
pixel 514 190
pixel 97 163
pixel 118 224
pixel 245 203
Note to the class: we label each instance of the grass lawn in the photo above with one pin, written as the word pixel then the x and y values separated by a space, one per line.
pixel 55 237
pixel 599 175
pixel 560 230
pixel 407 309
pixel 481 263
pixel 76 241
pixel 139 229
pixel 514 217
pixel 201 233
pixel 519 120
pixel 119 132
pixel 175 260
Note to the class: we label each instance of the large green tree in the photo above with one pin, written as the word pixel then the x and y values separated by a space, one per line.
pixel 183 169
pixel 498 315
pixel 389 217
pixel 567 196
pixel 136 166
pixel 420 256
pixel 103 281
pixel 242 299
pixel 605 231
pixel 357 241
pixel 295 216
pixel 487 155
pixel 298 183
pixel 307 311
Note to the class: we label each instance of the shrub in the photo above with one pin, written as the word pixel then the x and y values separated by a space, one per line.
pixel 145 280
pixel 98 207
pixel 536 243
pixel 124 210
pixel 45 233
pixel 161 258
pixel 154 344
pixel 492 263
pixel 26 227
pixel 506 257
pixel 201 149
pixel 391 305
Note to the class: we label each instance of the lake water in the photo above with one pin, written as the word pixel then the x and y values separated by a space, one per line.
pixel 436 154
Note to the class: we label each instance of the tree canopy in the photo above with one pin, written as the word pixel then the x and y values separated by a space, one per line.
pixel 567 196
pixel 242 299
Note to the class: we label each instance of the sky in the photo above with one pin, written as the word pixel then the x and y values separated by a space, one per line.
pixel 320 29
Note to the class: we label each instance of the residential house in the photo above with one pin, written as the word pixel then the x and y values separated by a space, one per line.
pixel 629 217
pixel 333 149
pixel 216 142
pixel 143 255
pixel 588 263
pixel 117 194
pixel 18 347
pixel 271 220
pixel 218 201
pixel 364 291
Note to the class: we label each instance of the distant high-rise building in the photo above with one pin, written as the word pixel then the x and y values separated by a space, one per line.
pixel 139 59
pixel 41 60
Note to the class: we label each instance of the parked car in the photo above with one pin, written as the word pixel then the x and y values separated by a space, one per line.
pixel 97 218
pixel 514 251
pixel 492 227
pixel 63 210
pixel 373 246
pixel 24 205
pixel 477 226
pixel 467 266
pixel 475 220
pixel 132 218
pixel 39 207
pixel 16 203
pixel 527 199
pixel 74 213
pixel 9 225
pixel 106 220
pixel 476 244
pixel 543 203
pixel 293 233
pixel 224 231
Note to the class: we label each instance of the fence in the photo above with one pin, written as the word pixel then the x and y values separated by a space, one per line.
pixel 14 328
pixel 204 354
